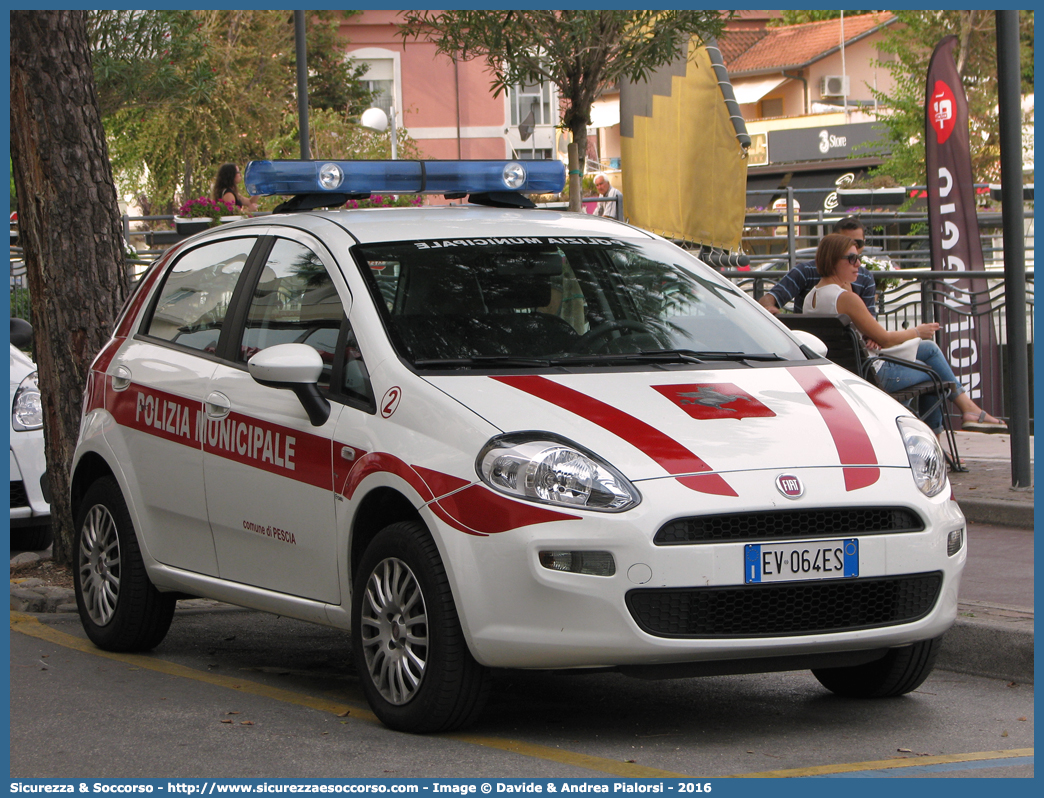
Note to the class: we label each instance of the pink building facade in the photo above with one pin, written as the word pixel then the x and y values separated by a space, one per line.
pixel 448 106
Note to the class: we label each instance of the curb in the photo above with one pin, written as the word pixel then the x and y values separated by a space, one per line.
pixel 998 513
pixel 31 595
pixel 991 641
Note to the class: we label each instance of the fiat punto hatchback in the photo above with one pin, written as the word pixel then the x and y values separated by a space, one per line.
pixel 492 436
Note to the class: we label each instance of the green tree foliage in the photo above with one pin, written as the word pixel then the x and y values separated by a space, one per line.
pixel 185 91
pixel 910 42
pixel 580 51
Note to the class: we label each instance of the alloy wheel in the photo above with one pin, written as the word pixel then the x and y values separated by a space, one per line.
pixel 99 564
pixel 394 631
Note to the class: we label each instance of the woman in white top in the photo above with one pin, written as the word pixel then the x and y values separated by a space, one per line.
pixel 837 262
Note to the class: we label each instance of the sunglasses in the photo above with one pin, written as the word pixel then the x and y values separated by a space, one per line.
pixel 859 242
pixel 854 259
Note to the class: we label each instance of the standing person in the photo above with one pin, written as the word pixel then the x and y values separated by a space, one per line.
pixel 799 281
pixel 837 263
pixel 226 188
pixel 614 210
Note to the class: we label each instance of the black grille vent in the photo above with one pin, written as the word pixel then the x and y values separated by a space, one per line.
pixel 796 608
pixel 18 497
pixel 784 524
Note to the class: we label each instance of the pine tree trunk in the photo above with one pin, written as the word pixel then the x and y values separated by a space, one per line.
pixel 70 227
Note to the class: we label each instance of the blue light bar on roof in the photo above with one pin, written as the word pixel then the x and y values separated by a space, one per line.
pixel 403 177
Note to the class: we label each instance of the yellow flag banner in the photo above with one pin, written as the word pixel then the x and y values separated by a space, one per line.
pixel 684 171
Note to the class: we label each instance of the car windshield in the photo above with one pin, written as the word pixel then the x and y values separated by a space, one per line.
pixel 525 302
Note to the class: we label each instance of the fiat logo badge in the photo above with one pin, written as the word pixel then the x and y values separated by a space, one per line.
pixel 790 486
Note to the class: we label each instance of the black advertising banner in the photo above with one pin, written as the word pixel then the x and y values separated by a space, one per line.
pixel 968 339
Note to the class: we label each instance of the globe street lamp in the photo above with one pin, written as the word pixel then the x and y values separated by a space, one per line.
pixel 376 119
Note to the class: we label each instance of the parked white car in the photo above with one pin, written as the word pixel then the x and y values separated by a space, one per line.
pixel 30 494
pixel 491 436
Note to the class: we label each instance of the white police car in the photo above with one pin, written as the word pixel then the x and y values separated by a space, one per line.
pixel 491 436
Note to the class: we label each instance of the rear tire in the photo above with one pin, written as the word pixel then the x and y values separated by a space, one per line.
pixel 900 671
pixel 408 647
pixel 120 608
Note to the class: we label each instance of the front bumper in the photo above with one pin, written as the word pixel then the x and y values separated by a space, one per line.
pixel 29 487
pixel 517 613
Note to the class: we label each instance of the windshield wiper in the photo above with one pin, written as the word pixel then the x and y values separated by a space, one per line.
pixel 738 355
pixel 650 356
pixel 664 356
pixel 483 361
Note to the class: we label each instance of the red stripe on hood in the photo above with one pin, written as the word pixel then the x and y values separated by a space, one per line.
pixel 666 451
pixel 854 447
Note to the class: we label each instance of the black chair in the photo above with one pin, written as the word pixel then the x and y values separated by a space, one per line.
pixel 846 348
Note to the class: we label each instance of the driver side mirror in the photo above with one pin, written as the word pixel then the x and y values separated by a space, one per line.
pixel 21 333
pixel 293 367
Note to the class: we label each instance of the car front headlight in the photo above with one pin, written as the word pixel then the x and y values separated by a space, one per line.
pixel 544 468
pixel 925 456
pixel 27 408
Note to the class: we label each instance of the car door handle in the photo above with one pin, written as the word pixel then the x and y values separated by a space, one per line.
pixel 217 405
pixel 121 378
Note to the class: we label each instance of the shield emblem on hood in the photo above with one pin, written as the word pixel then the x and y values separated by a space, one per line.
pixel 714 400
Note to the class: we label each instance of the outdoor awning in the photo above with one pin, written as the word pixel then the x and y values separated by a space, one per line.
pixel 605 114
pixel 753 90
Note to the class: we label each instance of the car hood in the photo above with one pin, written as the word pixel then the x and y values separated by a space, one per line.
pixel 655 424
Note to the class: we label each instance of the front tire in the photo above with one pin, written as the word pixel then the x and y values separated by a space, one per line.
pixel 408 647
pixel 31 538
pixel 900 671
pixel 120 608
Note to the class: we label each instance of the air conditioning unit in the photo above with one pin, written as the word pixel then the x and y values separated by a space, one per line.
pixel 834 85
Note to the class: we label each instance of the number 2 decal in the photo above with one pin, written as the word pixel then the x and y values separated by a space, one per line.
pixel 390 401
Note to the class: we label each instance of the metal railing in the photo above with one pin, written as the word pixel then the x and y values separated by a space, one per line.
pixel 589 204
pixel 772 236
pixel 911 297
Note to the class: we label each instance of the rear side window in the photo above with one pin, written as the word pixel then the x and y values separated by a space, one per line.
pixel 195 296
pixel 295 301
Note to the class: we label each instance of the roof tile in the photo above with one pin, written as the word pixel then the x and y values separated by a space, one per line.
pixel 734 43
pixel 793 45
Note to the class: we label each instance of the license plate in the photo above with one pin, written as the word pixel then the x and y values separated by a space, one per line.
pixel 800 560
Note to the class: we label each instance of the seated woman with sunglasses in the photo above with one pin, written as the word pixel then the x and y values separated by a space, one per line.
pixel 838 265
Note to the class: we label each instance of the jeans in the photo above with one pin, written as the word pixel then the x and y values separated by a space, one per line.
pixel 894 377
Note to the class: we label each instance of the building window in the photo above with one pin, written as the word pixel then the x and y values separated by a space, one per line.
pixel 535 98
pixel 536 154
pixel 380 79
pixel 772 106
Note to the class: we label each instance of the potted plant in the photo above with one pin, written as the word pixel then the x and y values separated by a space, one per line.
pixel 195 216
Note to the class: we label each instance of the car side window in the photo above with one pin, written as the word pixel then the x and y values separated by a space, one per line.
pixel 295 301
pixel 196 293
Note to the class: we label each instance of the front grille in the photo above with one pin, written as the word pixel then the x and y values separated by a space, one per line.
pixel 796 608
pixel 18 497
pixel 783 524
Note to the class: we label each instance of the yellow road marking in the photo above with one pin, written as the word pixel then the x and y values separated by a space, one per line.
pixel 611 766
pixel 31 626
pixel 27 624
pixel 885 764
